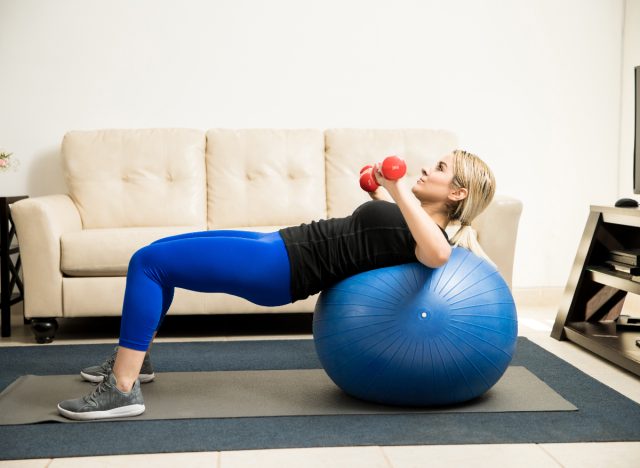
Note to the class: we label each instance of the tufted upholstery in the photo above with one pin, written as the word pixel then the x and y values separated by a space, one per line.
pixel 264 177
pixel 128 188
pixel 112 173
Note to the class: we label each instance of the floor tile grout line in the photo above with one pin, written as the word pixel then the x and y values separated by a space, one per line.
pixel 385 456
pixel 550 455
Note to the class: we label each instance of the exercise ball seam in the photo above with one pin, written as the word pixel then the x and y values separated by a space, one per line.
pixel 484 341
pixel 358 305
pixel 364 353
pixel 469 387
pixel 356 341
pixel 355 328
pixel 451 276
pixel 374 377
pixel 487 384
pixel 475 284
pixel 407 291
pixel 471 297
pixel 472 306
pixel 355 317
pixel 459 262
pixel 480 326
pixel 365 295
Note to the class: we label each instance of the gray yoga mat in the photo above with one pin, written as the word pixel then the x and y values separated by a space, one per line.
pixel 238 394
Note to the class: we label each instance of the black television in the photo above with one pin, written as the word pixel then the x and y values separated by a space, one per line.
pixel 636 141
pixel 630 202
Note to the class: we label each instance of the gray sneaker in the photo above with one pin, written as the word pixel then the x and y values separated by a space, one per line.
pixel 96 374
pixel 106 401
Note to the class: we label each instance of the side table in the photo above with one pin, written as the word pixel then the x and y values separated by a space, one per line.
pixel 9 271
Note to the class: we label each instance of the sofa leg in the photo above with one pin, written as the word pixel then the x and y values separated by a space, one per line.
pixel 44 329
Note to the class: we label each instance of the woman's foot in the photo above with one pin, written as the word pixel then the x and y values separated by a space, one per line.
pixel 106 401
pixel 96 374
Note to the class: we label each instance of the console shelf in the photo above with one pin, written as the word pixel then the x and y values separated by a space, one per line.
pixel 614 279
pixel 595 294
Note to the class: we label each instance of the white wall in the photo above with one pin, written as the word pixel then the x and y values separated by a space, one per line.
pixel 630 60
pixel 533 86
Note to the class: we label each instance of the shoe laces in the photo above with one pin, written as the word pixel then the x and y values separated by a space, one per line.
pixel 100 389
pixel 108 364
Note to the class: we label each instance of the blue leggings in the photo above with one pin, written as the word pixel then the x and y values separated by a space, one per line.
pixel 251 265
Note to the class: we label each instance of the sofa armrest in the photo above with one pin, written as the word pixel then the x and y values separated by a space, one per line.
pixel 40 222
pixel 497 229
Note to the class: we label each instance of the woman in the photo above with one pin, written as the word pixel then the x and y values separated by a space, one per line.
pixel 282 267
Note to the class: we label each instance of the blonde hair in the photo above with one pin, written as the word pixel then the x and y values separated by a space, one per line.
pixel 472 173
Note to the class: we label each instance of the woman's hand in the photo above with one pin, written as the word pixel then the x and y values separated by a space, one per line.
pixel 389 185
pixel 379 193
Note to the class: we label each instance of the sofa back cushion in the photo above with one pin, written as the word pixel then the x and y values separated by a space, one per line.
pixel 348 150
pixel 137 178
pixel 261 177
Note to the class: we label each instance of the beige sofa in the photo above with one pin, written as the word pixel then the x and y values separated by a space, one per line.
pixel 128 188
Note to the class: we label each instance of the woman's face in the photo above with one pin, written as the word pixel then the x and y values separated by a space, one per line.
pixel 434 185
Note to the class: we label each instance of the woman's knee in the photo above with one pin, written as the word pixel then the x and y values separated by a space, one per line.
pixel 143 258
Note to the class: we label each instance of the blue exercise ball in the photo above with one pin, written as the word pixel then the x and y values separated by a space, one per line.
pixel 416 336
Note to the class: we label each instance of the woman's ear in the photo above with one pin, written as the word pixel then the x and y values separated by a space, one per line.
pixel 458 194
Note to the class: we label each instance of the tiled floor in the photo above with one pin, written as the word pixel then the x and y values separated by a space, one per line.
pixel 536 316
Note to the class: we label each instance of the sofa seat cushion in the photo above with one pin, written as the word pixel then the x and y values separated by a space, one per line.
pixel 106 252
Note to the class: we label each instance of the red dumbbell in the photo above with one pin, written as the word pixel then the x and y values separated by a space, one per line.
pixel 393 168
pixel 368 182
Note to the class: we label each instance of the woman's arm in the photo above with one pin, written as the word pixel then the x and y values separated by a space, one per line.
pixel 432 248
pixel 380 194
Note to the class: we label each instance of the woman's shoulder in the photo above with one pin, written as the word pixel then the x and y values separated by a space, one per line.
pixel 379 205
pixel 378 212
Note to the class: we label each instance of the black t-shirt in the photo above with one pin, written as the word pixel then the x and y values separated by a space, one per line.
pixel 324 252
